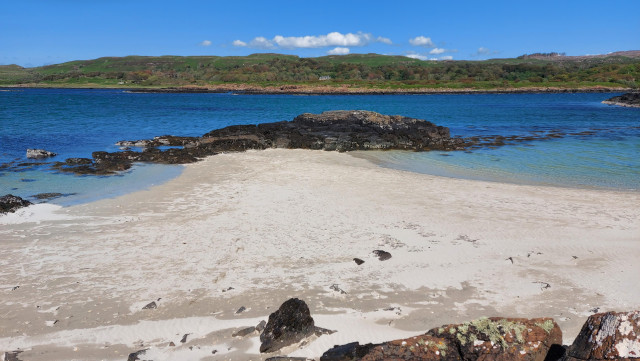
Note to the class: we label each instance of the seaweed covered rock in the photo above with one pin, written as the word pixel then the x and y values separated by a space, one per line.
pixel 608 336
pixel 291 323
pixel 10 203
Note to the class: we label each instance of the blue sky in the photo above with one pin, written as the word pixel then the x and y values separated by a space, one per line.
pixel 34 33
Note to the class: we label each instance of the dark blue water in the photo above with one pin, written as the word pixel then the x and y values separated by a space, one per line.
pixel 74 123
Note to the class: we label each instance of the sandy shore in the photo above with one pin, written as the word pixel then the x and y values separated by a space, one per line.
pixel 254 229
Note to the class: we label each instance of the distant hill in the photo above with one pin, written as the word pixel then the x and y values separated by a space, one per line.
pixel 615 70
pixel 562 57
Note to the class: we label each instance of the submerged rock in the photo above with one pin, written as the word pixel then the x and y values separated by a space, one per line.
pixel 47 195
pixel 10 203
pixel 291 323
pixel 39 154
pixel 608 336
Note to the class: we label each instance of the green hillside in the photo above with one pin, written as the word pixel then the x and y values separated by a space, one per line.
pixel 355 70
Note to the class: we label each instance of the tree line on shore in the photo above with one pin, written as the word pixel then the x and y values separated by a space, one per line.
pixel 359 70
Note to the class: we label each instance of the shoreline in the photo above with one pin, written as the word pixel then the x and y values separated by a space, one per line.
pixel 375 158
pixel 292 89
pixel 620 104
pixel 186 242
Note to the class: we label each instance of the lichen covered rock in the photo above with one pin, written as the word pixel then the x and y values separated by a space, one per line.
pixel 608 336
pixel 486 339
pixel 498 338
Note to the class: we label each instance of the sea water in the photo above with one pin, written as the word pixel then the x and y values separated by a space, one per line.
pixel 76 122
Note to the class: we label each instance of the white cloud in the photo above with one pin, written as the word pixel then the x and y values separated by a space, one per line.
pixel 436 51
pixel 205 43
pixel 261 43
pixel 338 51
pixel 446 57
pixel 331 39
pixel 421 41
pixel 482 51
pixel 417 56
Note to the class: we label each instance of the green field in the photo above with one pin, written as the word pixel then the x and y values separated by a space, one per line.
pixel 366 71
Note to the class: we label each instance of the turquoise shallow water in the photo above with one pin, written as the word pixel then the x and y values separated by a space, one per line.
pixel 74 123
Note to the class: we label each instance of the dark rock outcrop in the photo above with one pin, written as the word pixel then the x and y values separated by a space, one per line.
pixel 341 130
pixel 39 154
pixel 625 100
pixel 486 339
pixel 291 323
pixel 10 203
pixel 335 130
pixel 608 336
pixel 165 140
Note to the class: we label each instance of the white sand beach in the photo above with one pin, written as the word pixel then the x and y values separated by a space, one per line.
pixel 257 228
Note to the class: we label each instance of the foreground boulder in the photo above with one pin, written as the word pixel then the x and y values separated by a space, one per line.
pixel 625 100
pixel 291 323
pixel 39 154
pixel 608 336
pixel 486 339
pixel 499 338
pixel 10 203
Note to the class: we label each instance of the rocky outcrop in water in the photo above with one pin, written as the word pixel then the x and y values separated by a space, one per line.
pixel 342 130
pixel 335 130
pixel 608 336
pixel 39 154
pixel 10 203
pixel 626 100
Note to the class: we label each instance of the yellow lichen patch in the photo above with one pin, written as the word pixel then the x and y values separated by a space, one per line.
pixel 495 330
pixel 547 326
